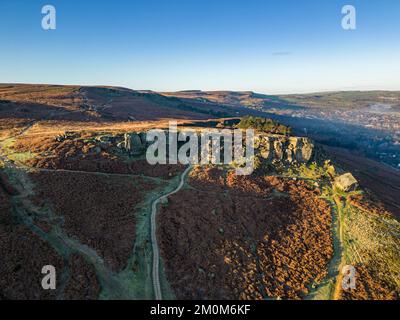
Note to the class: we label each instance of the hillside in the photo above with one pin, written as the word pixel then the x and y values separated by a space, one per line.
pixel 233 98
pixel 347 100
pixel 102 104
pixel 366 123
pixel 77 191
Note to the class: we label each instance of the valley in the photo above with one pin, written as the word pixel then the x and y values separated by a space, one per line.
pixel 366 123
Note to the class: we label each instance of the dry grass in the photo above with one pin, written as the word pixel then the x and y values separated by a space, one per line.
pixel 372 246
pixel 53 128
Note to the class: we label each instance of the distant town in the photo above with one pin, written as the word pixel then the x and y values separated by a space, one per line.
pixel 374 131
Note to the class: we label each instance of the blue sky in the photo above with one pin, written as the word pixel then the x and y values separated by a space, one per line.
pixel 268 46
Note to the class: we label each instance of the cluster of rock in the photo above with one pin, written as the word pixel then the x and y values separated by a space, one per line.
pixel 67 135
pixel 134 144
pixel 267 147
pixel 284 149
pixel 106 141
pixel 274 148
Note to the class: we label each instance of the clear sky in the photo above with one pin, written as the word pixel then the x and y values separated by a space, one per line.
pixel 268 46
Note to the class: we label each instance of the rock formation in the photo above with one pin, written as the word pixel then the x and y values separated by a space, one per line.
pixel 284 149
pixel 274 148
pixel 346 182
pixel 134 143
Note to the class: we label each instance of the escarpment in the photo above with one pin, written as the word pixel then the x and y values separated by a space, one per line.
pixel 284 149
pixel 273 148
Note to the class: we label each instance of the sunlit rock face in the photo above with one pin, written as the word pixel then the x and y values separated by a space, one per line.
pixel 273 148
pixel 346 182
pixel 284 149
pixel 134 143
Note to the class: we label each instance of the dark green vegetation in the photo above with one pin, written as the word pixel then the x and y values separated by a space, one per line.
pixel 264 125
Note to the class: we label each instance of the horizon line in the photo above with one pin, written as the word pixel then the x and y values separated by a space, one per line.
pixel 200 90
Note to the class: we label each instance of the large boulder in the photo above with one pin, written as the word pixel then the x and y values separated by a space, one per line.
pixel 299 150
pixel 279 150
pixel 284 149
pixel 307 149
pixel 292 149
pixel 133 144
pixel 346 182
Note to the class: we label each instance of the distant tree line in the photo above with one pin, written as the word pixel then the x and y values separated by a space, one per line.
pixel 264 125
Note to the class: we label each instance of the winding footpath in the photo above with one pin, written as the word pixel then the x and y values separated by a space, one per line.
pixel 59 240
pixel 156 253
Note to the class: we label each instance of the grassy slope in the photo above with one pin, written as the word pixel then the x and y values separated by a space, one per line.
pixel 362 238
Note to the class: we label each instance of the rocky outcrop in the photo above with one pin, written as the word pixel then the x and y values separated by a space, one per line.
pixel 284 149
pixel 134 143
pixel 68 135
pixel 274 148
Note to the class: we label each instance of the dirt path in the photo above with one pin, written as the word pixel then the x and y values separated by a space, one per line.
pixel 63 244
pixel 156 254
pixel 114 285
pixel 57 238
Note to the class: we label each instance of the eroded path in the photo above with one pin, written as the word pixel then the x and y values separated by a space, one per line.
pixel 127 284
pixel 156 253
pixel 63 244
